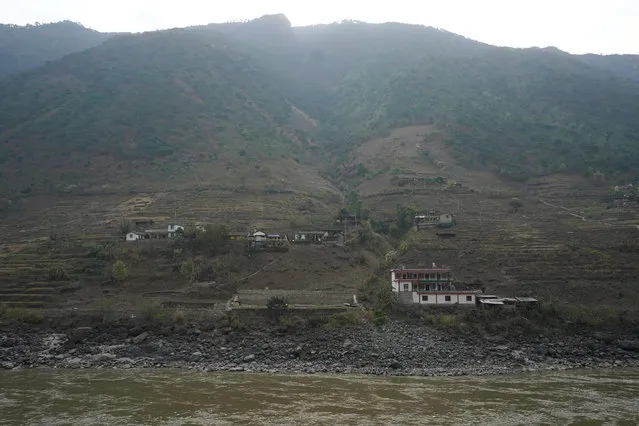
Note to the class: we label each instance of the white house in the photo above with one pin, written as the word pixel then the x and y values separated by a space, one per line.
pixel 134 236
pixel 172 229
pixel 259 236
pixel 434 286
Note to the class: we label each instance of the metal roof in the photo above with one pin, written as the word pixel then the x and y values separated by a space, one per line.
pixel 526 299
pixel 491 301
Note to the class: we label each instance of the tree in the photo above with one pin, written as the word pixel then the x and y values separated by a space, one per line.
pixel 125 226
pixel 119 271
pixel 190 270
pixel 515 205
pixel 214 239
pixel 276 306
pixel 405 218
pixel 57 273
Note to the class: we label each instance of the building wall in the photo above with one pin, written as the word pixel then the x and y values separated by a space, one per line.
pixel 132 237
pixel 440 298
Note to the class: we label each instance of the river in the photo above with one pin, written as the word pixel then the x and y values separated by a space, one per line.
pixel 178 397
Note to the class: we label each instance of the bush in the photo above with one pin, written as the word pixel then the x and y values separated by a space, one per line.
pixel 178 318
pixel 448 320
pixel 349 318
pixel 26 316
pixel 515 205
pixel 106 251
pixel 119 271
pixel 152 312
pixel 57 273
pixel 276 307
pixel 380 318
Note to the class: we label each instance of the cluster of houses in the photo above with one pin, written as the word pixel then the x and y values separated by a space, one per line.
pixel 170 231
pixel 258 239
pixel 437 286
pixel 255 240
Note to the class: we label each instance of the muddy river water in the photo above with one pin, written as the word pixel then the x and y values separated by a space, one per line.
pixel 178 397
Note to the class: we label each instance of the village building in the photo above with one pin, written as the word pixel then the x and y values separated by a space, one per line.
pixel 434 219
pixel 153 234
pixel 156 234
pixel 276 240
pixel 134 236
pixel 327 236
pixel 174 230
pixel 431 286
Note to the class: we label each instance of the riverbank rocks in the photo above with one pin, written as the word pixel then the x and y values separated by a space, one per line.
pixel 140 338
pixel 397 349
pixel 79 334
pixel 629 345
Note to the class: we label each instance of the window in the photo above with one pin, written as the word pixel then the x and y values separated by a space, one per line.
pixel 424 298
pixel 447 298
pixel 405 287
pixel 469 298
pixel 404 276
pixel 421 276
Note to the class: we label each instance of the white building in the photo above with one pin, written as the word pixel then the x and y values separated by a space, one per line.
pixel 434 219
pixel 173 229
pixel 134 236
pixel 434 286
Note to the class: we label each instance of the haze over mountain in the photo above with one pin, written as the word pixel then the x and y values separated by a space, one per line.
pixel 224 92
pixel 27 47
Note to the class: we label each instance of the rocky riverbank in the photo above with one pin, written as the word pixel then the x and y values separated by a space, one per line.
pixel 396 349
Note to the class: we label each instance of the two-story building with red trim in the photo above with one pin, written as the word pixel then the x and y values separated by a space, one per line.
pixel 431 286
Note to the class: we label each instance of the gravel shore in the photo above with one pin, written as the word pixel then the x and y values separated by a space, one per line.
pixel 395 349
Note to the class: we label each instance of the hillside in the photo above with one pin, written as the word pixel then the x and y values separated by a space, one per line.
pixel 156 104
pixel 261 125
pixel 625 66
pixel 27 47
pixel 517 112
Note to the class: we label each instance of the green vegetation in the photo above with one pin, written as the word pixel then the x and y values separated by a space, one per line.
pixel 277 307
pixel 179 318
pixel 57 273
pixel 30 46
pixel 119 271
pixel 163 101
pixel 515 205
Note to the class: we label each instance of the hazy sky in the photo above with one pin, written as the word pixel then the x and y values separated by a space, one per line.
pixel 576 26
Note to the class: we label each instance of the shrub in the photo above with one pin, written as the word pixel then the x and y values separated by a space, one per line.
pixel 447 320
pixel 276 307
pixel 25 316
pixel 152 312
pixel 106 251
pixel 57 273
pixel 515 205
pixel 349 318
pixel 380 318
pixel 119 271
pixel 178 318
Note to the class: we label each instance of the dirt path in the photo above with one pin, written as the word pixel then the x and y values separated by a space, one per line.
pixel 570 212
